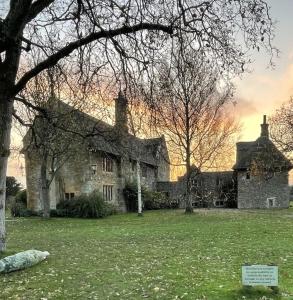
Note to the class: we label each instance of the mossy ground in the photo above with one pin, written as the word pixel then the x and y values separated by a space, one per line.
pixel 164 255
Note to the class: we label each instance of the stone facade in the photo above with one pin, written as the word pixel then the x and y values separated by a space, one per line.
pixel 103 163
pixel 256 192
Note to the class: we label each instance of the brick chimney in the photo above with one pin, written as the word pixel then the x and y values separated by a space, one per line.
pixel 264 128
pixel 121 106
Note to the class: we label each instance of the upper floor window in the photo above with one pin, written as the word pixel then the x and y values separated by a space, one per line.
pixel 94 169
pixel 143 170
pixel 107 164
pixel 218 181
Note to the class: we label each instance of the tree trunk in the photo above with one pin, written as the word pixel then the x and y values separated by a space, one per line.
pixel 6 108
pixel 188 200
pixel 139 202
pixel 45 198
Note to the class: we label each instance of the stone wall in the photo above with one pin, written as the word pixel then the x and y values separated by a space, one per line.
pixel 173 189
pixel 256 192
pixel 33 184
pixel 205 188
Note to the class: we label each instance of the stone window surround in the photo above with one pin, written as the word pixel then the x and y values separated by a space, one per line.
pixel 108 192
pixel 69 196
pixel 94 169
pixel 271 202
pixel 144 171
pixel 107 164
pixel 219 203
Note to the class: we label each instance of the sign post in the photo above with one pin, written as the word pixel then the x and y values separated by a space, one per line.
pixel 265 275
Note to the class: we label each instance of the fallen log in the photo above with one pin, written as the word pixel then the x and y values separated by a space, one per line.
pixel 22 260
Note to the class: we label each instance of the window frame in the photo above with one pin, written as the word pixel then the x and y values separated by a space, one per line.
pixel 271 200
pixel 69 195
pixel 107 164
pixel 94 169
pixel 108 192
pixel 144 170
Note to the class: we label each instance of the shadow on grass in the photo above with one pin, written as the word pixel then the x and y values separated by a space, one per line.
pixel 258 293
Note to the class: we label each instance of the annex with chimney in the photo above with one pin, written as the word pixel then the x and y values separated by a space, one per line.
pixel 262 173
pixel 104 161
pixel 259 179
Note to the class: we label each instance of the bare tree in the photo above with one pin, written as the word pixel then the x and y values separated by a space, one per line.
pixel 91 34
pixel 189 108
pixel 53 132
pixel 282 127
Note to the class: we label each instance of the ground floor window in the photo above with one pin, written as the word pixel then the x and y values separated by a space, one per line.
pixel 219 203
pixel 108 192
pixel 69 196
pixel 271 202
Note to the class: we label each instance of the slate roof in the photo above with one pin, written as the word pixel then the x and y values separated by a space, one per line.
pixel 101 136
pixel 208 175
pixel 262 149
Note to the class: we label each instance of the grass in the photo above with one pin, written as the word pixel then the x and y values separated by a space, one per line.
pixel 164 255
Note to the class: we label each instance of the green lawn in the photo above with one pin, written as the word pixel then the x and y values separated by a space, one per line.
pixel 163 255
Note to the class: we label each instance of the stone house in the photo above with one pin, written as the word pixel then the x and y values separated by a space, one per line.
pixel 259 179
pixel 104 161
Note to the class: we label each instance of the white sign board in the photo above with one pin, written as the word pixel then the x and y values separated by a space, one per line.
pixel 260 275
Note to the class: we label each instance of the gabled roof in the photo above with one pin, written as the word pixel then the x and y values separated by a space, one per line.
pixel 101 136
pixel 146 150
pixel 262 150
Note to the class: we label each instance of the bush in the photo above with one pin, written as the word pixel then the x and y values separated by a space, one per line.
pixel 18 209
pixel 91 206
pixel 21 197
pixel 151 199
pixel 130 196
pixel 158 200
pixel 18 206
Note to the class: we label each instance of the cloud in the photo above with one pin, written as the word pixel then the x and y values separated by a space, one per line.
pixel 244 107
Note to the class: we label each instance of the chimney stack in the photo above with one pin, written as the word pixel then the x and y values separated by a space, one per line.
pixel 264 128
pixel 121 106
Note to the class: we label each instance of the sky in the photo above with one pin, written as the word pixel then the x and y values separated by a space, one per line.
pixel 259 92
pixel 264 89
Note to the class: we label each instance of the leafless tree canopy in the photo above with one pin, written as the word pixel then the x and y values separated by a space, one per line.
pixel 189 101
pixel 92 34
pixel 282 127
